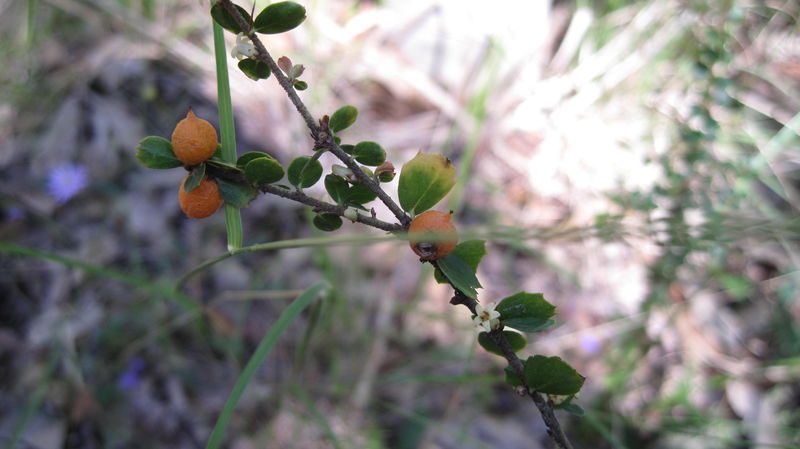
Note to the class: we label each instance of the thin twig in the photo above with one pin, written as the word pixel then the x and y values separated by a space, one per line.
pixel 370 183
pixel 322 206
pixel 544 406
pixel 300 197
pixel 322 137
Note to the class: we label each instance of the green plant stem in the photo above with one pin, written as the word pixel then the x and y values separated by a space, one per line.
pixel 233 218
pixel 260 354
pixel 285 244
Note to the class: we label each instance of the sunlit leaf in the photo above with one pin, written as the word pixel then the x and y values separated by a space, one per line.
pixel 343 118
pixel 424 181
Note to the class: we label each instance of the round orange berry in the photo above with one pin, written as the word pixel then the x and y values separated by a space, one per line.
pixel 194 140
pixel 432 222
pixel 202 201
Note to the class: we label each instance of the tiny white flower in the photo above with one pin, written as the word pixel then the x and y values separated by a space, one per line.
pixel 344 172
pixel 487 317
pixel 244 49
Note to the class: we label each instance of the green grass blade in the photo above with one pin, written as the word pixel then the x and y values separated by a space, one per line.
pixel 233 217
pixel 318 416
pixel 140 283
pixel 263 349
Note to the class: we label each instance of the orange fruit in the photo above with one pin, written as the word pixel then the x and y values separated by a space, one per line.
pixel 202 201
pixel 194 140
pixel 431 222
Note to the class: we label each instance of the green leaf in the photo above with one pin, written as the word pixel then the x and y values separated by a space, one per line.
pixel 249 156
pixel 327 222
pixel 195 178
pixel 338 188
pixel 280 17
pixel 460 274
pixel 300 85
pixel 386 176
pixel 299 177
pixel 369 153
pixel 254 69
pixel 470 251
pixel 343 118
pixel 347 148
pixel 424 181
pixel 263 170
pixel 156 152
pixel 528 312
pixel 361 194
pixel 511 377
pixel 225 20
pixel 237 195
pixel 575 409
pixel 551 375
pixel 515 340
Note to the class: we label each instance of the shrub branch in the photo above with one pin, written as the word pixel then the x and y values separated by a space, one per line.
pixel 323 140
pixel 545 406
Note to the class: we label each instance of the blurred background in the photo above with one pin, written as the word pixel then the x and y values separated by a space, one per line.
pixel 638 162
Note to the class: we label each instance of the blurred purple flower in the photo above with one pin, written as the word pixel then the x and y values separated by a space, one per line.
pixel 130 378
pixel 590 343
pixel 65 181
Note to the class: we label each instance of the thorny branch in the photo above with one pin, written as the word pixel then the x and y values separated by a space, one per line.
pixel 323 139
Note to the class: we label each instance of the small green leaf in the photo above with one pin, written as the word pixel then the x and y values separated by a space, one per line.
pixel 551 375
pixel 156 152
pixel 300 85
pixel 361 194
pixel 424 181
pixel 470 251
pixel 528 312
pixel 299 177
pixel 347 148
pixel 280 17
pixel 195 178
pixel 511 376
pixel 515 340
pixel 225 20
pixel 263 170
pixel 459 274
pixel 575 409
pixel 369 153
pixel 237 195
pixel 249 156
pixel 254 69
pixel 343 118
pixel 338 188
pixel 386 176
pixel 327 222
